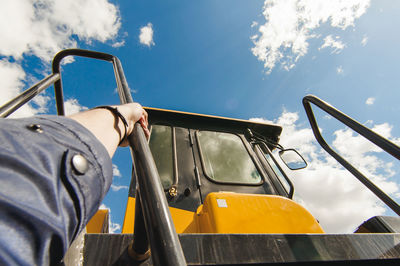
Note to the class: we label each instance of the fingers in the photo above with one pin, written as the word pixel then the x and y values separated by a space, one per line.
pixel 144 125
pixel 144 119
pixel 134 113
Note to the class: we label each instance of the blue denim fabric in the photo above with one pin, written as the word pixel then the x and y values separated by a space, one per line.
pixel 44 202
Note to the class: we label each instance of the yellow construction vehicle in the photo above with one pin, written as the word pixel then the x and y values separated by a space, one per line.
pixel 209 190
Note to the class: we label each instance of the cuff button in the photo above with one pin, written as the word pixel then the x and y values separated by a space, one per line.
pixel 80 164
pixel 36 127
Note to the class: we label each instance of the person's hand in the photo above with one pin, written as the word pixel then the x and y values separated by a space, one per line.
pixel 134 112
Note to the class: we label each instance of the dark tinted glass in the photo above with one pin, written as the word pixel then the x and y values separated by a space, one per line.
pixel 277 172
pixel 161 147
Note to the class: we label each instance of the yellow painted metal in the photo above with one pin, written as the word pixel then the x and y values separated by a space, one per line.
pixel 227 212
pixel 231 213
pixel 96 224
pixel 129 219
pixel 183 220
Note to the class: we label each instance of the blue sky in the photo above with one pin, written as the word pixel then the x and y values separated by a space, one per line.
pixel 240 59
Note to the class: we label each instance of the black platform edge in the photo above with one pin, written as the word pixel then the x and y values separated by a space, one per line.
pixel 228 249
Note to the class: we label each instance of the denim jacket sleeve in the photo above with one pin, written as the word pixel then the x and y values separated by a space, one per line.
pixel 53 176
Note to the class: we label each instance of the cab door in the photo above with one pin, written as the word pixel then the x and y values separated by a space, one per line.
pixel 225 161
pixel 173 154
pixel 193 163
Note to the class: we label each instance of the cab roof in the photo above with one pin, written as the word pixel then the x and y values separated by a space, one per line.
pixel 210 122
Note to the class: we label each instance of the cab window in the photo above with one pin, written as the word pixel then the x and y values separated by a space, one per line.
pixel 226 159
pixel 161 147
pixel 278 172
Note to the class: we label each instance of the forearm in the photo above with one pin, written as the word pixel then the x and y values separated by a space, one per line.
pixel 47 196
pixel 108 128
pixel 103 124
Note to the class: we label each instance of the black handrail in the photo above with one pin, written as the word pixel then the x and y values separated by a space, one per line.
pixel 164 242
pixel 27 95
pixel 383 143
pixel 160 230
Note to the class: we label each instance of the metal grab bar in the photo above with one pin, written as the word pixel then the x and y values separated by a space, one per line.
pixel 383 143
pixel 27 95
pixel 161 233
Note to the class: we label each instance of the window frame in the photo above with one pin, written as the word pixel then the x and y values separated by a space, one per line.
pixel 263 149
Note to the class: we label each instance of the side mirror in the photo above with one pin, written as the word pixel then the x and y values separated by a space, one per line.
pixel 292 159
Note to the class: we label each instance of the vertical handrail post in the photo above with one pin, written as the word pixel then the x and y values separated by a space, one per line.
pixel 164 242
pixel 161 233
pixel 139 248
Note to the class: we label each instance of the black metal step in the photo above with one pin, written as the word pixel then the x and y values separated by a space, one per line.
pixel 226 249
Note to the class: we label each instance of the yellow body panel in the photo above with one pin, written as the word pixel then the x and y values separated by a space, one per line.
pixel 129 219
pixel 231 213
pixel 251 213
pixel 183 219
pixel 96 223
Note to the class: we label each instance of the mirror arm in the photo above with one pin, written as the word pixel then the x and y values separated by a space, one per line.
pixel 256 137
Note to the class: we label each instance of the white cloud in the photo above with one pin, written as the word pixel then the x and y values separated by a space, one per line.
pixel 335 44
pixel 11 81
pixel 364 40
pixel 261 120
pixel 254 24
pixel 118 44
pixel 43 28
pixel 146 35
pixel 339 70
pixel 72 106
pixel 290 24
pixel 370 101
pixel 116 172
pixel 112 227
pixel 41 102
pixel 118 188
pixel 333 195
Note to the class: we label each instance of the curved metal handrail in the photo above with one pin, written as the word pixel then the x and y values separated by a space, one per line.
pixel 383 143
pixel 125 96
pixel 159 227
pixel 164 242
